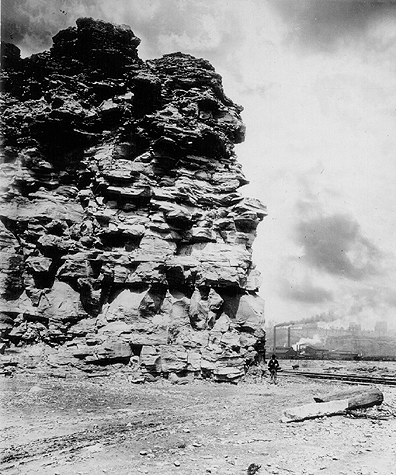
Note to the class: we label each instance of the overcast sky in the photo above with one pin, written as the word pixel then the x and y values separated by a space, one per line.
pixel 317 81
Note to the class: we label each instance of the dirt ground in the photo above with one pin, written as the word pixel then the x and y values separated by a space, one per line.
pixel 107 425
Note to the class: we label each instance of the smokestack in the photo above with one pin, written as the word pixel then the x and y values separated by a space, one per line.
pixel 288 336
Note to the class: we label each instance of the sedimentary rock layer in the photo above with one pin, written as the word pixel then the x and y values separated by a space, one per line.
pixel 123 234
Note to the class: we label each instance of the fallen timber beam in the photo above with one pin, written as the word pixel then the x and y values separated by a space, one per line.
pixel 343 377
pixel 357 398
pixel 310 411
pixel 340 404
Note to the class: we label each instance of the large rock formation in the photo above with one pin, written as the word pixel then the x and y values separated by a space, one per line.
pixel 123 235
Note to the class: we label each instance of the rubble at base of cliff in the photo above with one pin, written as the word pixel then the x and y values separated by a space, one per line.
pixel 123 237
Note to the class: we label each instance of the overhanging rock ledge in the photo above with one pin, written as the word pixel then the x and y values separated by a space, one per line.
pixel 123 236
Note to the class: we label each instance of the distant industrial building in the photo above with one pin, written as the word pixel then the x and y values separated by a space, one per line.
pixel 312 341
pixel 381 327
pixel 312 352
pixel 285 353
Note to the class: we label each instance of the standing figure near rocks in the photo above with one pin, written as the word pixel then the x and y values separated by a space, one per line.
pixel 273 366
pixel 260 354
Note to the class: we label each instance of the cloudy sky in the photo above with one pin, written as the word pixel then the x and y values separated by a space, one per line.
pixel 317 80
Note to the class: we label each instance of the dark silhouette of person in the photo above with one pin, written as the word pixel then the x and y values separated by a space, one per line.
pixel 273 366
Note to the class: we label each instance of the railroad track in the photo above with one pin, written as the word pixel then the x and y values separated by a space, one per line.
pixel 352 378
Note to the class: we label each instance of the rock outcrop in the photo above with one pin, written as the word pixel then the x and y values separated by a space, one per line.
pixel 123 235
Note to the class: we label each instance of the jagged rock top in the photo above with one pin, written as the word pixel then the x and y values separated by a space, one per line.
pixel 97 61
pixel 120 196
pixel 99 45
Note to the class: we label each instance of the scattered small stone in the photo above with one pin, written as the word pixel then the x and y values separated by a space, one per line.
pixel 143 452
pixel 94 448
pixel 176 463
pixel 253 469
pixel 36 389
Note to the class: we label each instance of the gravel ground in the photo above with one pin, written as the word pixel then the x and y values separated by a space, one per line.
pixel 106 425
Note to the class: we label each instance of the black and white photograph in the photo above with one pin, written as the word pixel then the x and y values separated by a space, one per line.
pixel 197 250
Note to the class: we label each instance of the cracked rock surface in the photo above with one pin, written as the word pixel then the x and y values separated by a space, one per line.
pixel 123 236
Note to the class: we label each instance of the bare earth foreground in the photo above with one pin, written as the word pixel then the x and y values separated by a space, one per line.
pixel 106 425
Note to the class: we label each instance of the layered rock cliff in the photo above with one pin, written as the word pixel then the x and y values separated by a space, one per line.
pixel 124 238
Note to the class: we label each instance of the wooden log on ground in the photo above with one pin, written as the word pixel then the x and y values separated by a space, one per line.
pixel 310 411
pixel 357 398
pixel 354 400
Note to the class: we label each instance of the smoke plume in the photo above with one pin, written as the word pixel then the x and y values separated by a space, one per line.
pixel 324 317
pixel 315 340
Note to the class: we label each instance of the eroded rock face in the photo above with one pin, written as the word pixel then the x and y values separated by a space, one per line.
pixel 123 234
